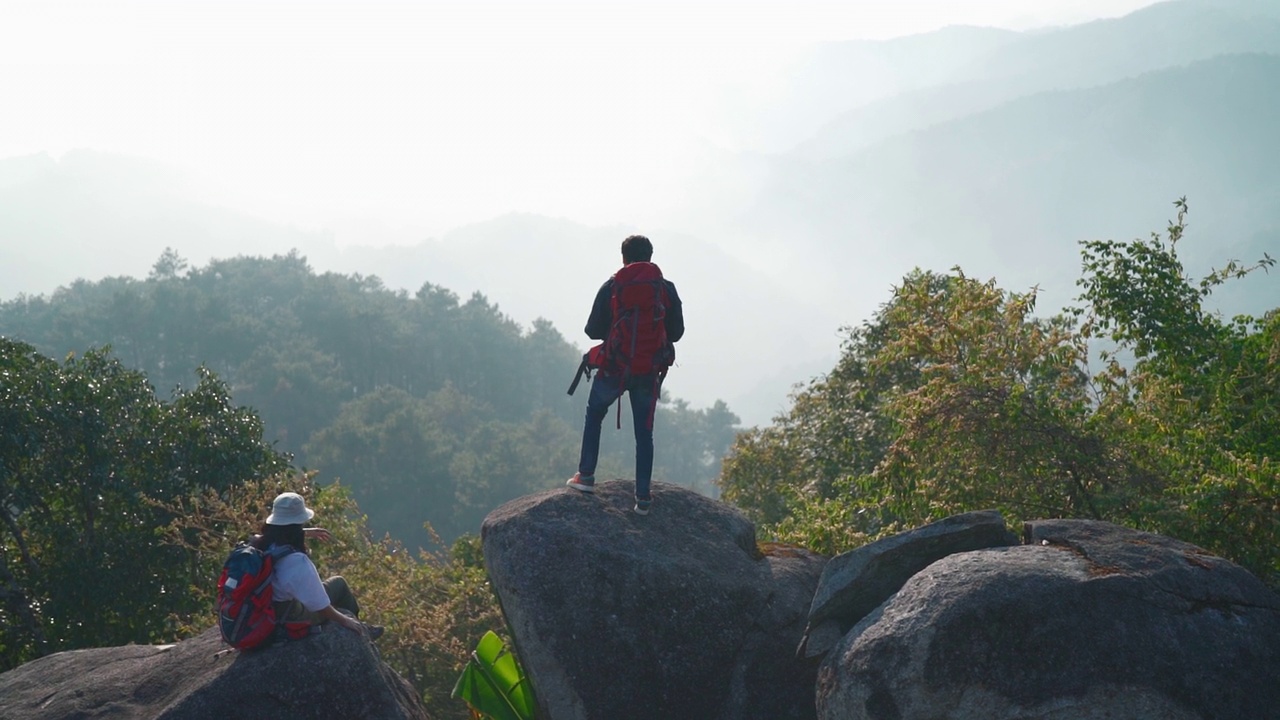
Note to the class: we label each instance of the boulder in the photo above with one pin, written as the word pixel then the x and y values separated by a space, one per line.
pixel 331 674
pixel 855 583
pixel 1089 621
pixel 671 615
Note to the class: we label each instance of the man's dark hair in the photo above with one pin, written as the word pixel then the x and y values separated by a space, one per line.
pixel 637 248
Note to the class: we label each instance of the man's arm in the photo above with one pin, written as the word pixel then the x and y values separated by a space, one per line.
pixel 601 313
pixel 675 314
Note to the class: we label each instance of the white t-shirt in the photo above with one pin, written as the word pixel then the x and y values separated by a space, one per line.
pixel 296 578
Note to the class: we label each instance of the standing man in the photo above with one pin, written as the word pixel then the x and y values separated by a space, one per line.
pixel 638 317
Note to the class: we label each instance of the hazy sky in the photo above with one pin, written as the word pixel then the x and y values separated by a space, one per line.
pixel 429 114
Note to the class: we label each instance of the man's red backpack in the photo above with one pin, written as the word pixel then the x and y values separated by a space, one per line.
pixel 637 342
pixel 246 616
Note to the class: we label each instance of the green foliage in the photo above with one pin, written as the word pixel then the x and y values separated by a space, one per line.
pixel 948 358
pixel 1002 389
pixel 828 524
pixel 1194 415
pixel 954 397
pixel 445 451
pixel 86 450
pixel 494 685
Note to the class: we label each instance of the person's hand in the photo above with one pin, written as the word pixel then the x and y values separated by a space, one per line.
pixel 317 533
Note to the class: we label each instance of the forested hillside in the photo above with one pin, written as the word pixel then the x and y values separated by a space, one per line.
pixel 431 408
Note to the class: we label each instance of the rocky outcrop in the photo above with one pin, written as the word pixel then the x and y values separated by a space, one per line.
pixel 333 674
pixel 682 614
pixel 1087 621
pixel 678 614
pixel 855 583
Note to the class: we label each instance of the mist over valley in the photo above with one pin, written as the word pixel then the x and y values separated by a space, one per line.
pixel 992 150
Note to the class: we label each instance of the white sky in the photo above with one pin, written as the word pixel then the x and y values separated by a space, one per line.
pixel 428 113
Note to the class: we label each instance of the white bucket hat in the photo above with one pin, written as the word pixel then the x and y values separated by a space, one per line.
pixel 289 509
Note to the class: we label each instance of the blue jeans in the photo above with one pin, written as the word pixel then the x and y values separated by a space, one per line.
pixel 605 389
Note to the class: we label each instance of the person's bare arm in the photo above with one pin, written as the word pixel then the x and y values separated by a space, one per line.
pixel 317 533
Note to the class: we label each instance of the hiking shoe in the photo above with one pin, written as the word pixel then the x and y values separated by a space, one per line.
pixel 642 506
pixel 583 484
pixel 374 631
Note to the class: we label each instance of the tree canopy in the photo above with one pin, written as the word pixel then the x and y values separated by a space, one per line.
pixel 1140 406
pixel 87 453
pixel 430 408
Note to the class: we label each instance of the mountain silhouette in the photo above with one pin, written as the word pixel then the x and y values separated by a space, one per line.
pixel 1009 192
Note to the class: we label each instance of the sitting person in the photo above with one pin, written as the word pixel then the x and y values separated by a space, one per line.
pixel 297 591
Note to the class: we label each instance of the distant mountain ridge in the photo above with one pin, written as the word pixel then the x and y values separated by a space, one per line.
pixel 91 214
pixel 1159 36
pixel 837 77
pixel 1042 63
pixel 961 168
pixel 1017 186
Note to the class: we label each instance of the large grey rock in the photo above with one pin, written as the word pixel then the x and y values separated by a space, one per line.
pixel 1090 621
pixel 855 583
pixel 333 674
pixel 677 614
